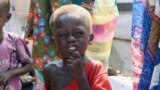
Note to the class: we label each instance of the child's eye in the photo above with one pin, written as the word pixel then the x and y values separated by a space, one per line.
pixel 79 33
pixel 62 35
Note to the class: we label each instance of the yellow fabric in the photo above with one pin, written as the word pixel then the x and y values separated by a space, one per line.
pixel 104 11
pixel 100 47
pixel 104 21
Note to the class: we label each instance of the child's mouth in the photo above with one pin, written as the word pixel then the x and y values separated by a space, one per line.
pixel 72 48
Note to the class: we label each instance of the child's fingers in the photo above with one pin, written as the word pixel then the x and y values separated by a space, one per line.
pixel 75 59
pixel 76 54
pixel 71 61
pixel 71 64
pixel 70 68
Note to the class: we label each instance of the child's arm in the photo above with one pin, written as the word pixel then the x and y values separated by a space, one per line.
pixel 49 73
pixel 75 66
pixel 46 78
pixel 15 72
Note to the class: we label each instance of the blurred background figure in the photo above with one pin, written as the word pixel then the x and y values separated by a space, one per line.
pixel 19 10
pixel 145 44
pixel 105 15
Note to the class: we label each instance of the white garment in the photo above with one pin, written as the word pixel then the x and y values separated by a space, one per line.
pixel 19 10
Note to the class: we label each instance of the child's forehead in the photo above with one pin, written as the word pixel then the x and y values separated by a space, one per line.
pixel 70 17
pixel 74 15
pixel 2 3
pixel 72 21
pixel 3 6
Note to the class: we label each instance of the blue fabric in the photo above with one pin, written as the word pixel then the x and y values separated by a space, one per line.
pixel 156 88
pixel 146 74
pixel 156 85
pixel 142 20
pixel 78 2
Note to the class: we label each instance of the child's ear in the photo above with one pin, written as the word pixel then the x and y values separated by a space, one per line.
pixel 91 37
pixel 9 16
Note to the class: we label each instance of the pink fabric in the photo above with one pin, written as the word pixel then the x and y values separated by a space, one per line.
pixel 12 44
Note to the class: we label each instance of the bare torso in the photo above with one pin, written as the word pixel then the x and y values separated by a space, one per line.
pixel 59 76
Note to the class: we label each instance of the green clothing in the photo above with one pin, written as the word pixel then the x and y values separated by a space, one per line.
pixel 38 23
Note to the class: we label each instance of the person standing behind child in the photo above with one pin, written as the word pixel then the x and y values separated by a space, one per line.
pixel 105 16
pixel 71 26
pixel 12 52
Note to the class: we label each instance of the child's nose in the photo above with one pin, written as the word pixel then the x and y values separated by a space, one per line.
pixel 71 39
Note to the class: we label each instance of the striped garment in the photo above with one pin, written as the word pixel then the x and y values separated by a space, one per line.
pixel 145 39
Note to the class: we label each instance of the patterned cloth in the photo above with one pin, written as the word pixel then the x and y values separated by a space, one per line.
pixel 145 40
pixel 105 15
pixel 38 23
pixel 14 52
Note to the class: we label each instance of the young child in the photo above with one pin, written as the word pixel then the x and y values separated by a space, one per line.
pixel 12 52
pixel 72 32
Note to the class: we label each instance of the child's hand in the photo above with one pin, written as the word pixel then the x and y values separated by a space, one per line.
pixel 75 65
pixel 4 78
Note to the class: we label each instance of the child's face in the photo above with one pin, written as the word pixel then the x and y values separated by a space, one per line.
pixel 71 34
pixel 4 16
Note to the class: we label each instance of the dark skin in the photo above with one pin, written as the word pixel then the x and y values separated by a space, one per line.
pixel 71 36
pixel 5 76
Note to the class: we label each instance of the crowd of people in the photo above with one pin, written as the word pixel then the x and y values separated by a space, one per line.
pixel 72 42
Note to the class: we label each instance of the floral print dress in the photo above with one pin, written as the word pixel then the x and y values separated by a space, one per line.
pixel 38 23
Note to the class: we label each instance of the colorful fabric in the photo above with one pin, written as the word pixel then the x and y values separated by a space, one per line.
pixel 105 15
pixel 145 39
pixel 14 52
pixel 38 23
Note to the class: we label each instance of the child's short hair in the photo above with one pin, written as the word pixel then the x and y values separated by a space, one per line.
pixel 72 9
pixel 6 5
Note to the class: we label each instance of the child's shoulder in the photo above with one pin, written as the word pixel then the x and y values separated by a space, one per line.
pixel 10 39
pixel 53 66
pixel 96 63
pixel 95 66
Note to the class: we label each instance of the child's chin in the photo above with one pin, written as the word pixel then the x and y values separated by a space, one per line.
pixel 72 51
